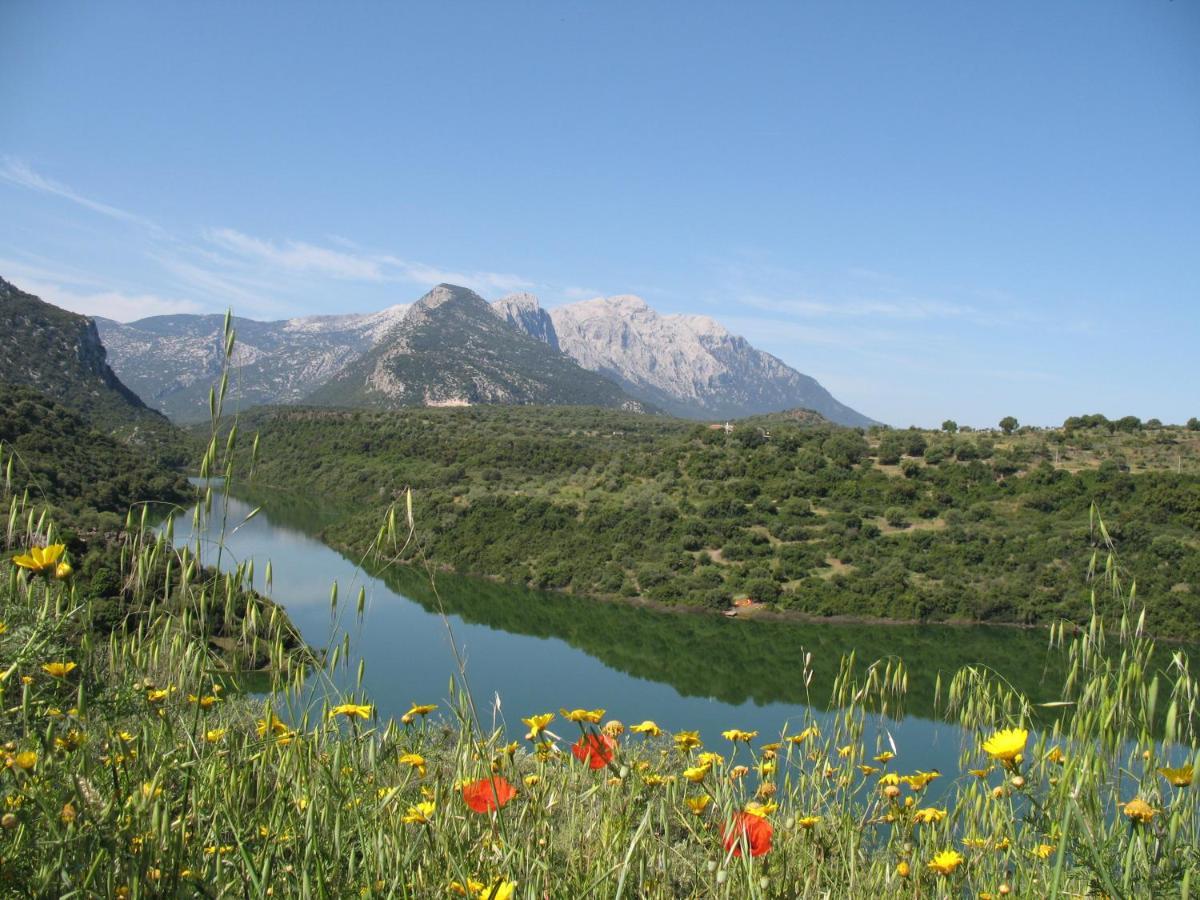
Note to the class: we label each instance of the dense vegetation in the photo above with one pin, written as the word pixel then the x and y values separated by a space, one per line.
pixel 134 767
pixel 825 521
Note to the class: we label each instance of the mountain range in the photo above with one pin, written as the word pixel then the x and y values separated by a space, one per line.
pixel 686 365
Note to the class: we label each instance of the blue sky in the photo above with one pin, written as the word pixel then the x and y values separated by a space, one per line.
pixel 938 210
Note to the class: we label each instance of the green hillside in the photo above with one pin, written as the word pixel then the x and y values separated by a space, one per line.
pixel 59 354
pixel 810 518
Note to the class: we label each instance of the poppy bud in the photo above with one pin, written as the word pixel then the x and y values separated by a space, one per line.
pixel 8 820
pixel 1018 781
pixel 1004 890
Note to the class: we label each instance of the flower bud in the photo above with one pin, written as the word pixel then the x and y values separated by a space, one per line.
pixel 8 820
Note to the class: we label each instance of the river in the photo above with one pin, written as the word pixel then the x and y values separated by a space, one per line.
pixel 528 652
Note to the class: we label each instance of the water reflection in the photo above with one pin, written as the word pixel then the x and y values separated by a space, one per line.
pixel 537 652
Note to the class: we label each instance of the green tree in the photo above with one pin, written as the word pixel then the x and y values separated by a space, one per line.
pixel 949 426
pixel 1009 424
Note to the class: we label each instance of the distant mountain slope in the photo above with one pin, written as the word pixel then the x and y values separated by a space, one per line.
pixel 60 355
pixel 690 366
pixel 172 361
pixel 452 349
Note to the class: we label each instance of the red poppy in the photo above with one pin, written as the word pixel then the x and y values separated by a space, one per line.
pixel 757 832
pixel 594 749
pixel 488 794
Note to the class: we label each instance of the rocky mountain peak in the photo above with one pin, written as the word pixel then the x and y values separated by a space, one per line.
pixel 447 293
pixel 523 312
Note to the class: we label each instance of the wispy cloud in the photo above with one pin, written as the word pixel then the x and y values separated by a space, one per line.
pixel 17 172
pixel 884 309
pixel 349 263
pixel 67 291
pixel 297 256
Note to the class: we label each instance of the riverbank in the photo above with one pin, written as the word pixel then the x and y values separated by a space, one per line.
pixel 814 520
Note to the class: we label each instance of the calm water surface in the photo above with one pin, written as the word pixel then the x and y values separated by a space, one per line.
pixel 528 652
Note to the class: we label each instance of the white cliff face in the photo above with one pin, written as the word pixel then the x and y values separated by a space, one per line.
pixel 623 337
pixel 689 365
pixel 524 312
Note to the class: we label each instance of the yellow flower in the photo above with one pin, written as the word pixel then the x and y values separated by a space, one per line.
pixel 902 868
pixel 811 731
pixel 687 740
pixel 762 810
pixel 471 887
pixel 885 757
pixel 537 724
pixel 1043 851
pixel 846 751
pixel 592 716
pixel 1139 810
pixel 868 770
pixel 150 790
pixel 698 804
pixel 205 702
pixel 710 759
pixel 63 571
pixel 155 695
pixel 416 760
pixel 980 773
pixel 126 736
pixel 696 774
pixel 736 734
pixel 654 779
pixel 929 815
pixel 1006 745
pixel 808 821
pixel 739 772
pixel 3 628
pixel 532 780
pixel 71 741
pixel 975 843
pixel 214 734
pixel 920 779
pixel 417 709
pixel 1056 756
pixel 25 760
pixel 1181 776
pixel 59 669
pixel 647 728
pixel 420 814
pixel 40 559
pixel 946 862
pixel 350 710
pixel 282 734
pixel 499 890
pixel 889 778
